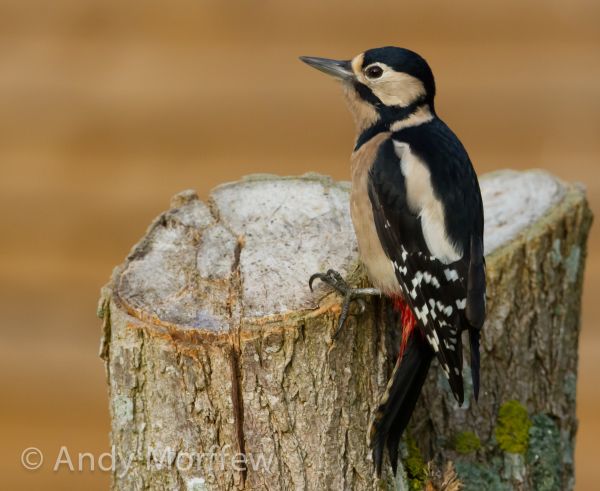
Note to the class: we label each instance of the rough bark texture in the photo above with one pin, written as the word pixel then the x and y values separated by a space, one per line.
pixel 215 346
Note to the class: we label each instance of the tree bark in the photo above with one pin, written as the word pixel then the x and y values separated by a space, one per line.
pixel 222 372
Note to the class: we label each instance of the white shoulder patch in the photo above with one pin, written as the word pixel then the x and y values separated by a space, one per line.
pixel 423 202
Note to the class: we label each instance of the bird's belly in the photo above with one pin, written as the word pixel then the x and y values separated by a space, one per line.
pixel 378 265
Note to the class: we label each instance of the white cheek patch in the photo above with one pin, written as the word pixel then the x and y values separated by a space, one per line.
pixel 396 88
pixel 392 88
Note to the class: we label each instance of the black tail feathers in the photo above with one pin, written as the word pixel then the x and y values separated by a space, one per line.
pixel 474 339
pixel 399 400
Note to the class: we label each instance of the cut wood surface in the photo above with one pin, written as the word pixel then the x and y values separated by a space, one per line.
pixel 215 346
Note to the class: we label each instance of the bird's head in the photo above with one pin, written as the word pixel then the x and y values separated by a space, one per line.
pixel 382 84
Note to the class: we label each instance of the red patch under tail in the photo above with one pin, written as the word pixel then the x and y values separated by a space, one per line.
pixel 408 321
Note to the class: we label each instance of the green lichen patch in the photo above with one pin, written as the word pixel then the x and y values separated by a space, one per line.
pixel 416 469
pixel 544 454
pixel 512 430
pixel 466 442
pixel 478 477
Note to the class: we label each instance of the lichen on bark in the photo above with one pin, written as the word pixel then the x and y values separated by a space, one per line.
pixel 512 427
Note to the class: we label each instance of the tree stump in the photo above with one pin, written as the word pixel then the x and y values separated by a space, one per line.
pixel 222 372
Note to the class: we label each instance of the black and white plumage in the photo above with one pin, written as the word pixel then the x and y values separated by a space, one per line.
pixel 418 216
pixel 432 259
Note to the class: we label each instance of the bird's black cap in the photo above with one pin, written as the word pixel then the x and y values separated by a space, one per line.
pixel 403 60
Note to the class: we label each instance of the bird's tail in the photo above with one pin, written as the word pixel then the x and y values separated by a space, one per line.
pixel 474 335
pixel 399 400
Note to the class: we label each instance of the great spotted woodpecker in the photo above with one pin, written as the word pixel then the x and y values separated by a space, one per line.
pixel 418 216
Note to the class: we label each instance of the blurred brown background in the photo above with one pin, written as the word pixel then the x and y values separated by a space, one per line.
pixel 107 108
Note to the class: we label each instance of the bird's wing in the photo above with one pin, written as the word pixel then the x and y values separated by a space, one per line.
pixel 436 290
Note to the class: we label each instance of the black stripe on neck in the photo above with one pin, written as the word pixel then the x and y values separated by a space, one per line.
pixel 388 115
pixel 379 127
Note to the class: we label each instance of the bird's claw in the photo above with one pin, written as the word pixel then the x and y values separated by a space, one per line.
pixel 337 282
pixel 333 279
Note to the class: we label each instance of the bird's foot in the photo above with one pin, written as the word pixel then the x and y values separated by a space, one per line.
pixel 335 280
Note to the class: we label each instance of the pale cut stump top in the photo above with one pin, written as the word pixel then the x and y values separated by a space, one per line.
pixel 212 338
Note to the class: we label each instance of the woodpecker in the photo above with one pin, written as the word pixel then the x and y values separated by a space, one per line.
pixel 417 212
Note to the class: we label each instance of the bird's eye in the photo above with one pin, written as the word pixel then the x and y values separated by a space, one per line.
pixel 374 71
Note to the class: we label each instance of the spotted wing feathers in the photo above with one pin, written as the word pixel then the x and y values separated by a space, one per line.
pixel 434 290
pixel 445 298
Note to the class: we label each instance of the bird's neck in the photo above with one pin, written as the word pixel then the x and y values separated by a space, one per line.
pixel 395 119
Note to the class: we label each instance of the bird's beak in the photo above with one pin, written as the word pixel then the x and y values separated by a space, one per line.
pixel 341 69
